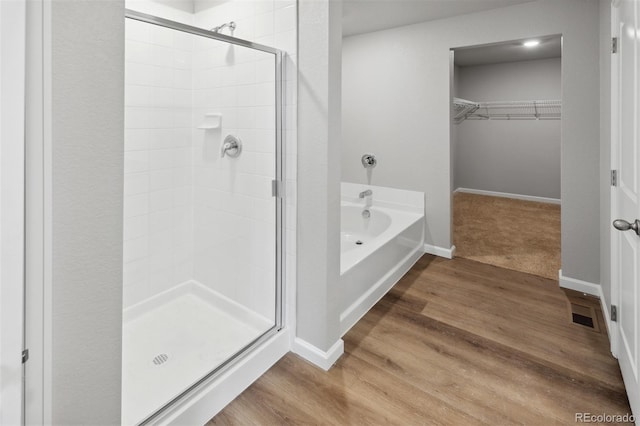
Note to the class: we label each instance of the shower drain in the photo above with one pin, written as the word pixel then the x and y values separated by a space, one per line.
pixel 160 359
pixel 359 243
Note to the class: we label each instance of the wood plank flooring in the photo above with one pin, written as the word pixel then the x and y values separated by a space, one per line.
pixel 455 342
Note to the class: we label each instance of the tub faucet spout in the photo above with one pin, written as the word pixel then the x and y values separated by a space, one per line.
pixel 366 193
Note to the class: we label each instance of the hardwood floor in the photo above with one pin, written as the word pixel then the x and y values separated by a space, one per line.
pixel 454 342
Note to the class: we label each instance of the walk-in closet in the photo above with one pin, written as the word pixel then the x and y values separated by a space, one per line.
pixel 506 153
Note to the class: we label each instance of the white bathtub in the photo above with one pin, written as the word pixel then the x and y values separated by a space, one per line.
pixel 376 251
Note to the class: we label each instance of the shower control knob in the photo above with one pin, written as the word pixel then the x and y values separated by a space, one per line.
pixel 623 225
pixel 232 147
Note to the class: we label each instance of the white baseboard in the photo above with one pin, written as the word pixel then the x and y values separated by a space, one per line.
pixel 213 395
pixel 316 356
pixel 579 285
pixel 607 314
pixel 508 195
pixel 440 251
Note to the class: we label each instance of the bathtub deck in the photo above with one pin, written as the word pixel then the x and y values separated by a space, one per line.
pixel 454 342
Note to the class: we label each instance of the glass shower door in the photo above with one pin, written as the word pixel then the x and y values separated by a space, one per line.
pixel 202 261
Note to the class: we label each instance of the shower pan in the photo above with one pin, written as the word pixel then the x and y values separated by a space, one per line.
pixel 202 279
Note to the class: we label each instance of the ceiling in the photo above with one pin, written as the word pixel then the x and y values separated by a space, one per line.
pixel 510 51
pixel 363 16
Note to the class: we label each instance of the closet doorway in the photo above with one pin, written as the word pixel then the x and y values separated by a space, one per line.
pixel 506 147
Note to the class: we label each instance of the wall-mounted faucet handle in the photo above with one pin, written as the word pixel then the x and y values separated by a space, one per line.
pixel 369 161
pixel 225 147
pixel 232 146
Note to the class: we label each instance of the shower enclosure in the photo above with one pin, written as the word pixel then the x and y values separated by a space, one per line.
pixel 202 212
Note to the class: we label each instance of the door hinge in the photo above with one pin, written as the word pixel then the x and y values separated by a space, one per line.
pixel 614 45
pixel 614 178
pixel 25 355
pixel 277 188
pixel 614 313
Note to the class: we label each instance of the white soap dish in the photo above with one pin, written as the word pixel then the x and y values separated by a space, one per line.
pixel 211 121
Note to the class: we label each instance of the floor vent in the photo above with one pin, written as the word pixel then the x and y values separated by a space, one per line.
pixel 161 359
pixel 582 320
pixel 584 315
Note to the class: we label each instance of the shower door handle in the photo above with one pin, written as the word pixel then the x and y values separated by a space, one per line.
pixel 623 225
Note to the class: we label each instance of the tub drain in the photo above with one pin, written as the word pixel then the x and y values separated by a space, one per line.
pixel 160 359
pixel 359 243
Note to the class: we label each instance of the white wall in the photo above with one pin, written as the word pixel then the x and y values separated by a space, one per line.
pixel 234 213
pixel 37 383
pixel 158 230
pixel 517 157
pixel 86 141
pixel 605 150
pixel 454 89
pixel 318 301
pixel 413 144
pixel 12 148
pixel 511 81
pixel 175 10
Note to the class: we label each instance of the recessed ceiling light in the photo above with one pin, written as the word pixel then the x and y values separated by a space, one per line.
pixel 531 43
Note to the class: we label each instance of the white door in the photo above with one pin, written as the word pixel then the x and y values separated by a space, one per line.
pixel 12 71
pixel 626 196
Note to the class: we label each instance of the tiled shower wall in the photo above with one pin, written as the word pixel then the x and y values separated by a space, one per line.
pixel 235 252
pixel 212 220
pixel 158 230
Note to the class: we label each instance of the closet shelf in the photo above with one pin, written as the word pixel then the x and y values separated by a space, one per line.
pixel 508 110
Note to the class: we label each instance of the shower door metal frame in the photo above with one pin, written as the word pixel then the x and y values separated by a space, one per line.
pixel 279 195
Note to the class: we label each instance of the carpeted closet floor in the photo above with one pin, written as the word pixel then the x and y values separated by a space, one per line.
pixel 519 235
